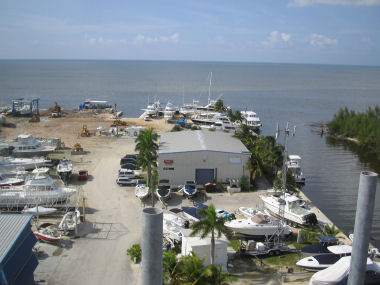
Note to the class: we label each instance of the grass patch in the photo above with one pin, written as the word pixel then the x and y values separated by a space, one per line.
pixel 289 260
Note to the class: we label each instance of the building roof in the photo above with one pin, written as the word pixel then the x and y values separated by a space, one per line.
pixel 187 141
pixel 11 226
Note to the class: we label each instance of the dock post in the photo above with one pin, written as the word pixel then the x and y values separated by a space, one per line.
pixel 151 245
pixel 362 230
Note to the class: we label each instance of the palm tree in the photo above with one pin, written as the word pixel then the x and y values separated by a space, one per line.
pixel 210 223
pixel 146 145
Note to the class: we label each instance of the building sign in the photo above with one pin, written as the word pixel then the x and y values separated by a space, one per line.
pixel 234 160
pixel 168 161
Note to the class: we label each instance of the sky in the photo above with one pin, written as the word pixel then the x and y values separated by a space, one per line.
pixel 279 31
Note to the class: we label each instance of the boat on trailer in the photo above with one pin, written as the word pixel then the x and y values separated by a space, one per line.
pixel 69 220
pixel 39 210
pixel 48 233
pixel 141 190
pixel 189 189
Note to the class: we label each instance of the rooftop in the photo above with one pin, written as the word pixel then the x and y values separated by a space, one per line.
pixel 11 225
pixel 187 141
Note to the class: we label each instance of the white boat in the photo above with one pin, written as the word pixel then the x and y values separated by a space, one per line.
pixel 40 211
pixel 69 219
pixel 27 145
pixel 189 109
pixel 324 260
pixel 190 189
pixel 142 190
pixel 338 273
pixel 48 233
pixel 260 225
pixel 9 164
pixel 172 225
pixel 248 212
pixel 294 212
pixel 294 165
pixel 251 119
pixel 163 192
pixel 234 186
pixel 169 111
pixel 65 169
pixel 116 115
pixel 153 109
pixel 5 181
pixel 39 189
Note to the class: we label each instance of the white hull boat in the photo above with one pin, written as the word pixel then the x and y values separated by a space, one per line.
pixel 5 181
pixel 248 212
pixel 141 190
pixel 26 145
pixel 40 211
pixel 9 164
pixel 163 193
pixel 65 169
pixel 294 213
pixel 39 189
pixel 251 119
pixel 68 221
pixel 189 189
pixel 338 273
pixel 169 111
pixel 294 166
pixel 172 225
pixel 260 225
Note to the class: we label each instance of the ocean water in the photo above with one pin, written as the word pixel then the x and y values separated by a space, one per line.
pixel 299 94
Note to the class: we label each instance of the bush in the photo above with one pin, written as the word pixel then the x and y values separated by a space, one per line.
pixel 135 252
pixel 195 128
pixel 177 128
pixel 244 183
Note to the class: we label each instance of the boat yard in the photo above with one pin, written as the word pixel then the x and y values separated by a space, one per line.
pixel 113 213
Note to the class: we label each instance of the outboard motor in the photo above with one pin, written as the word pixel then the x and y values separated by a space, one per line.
pixel 186 224
pixel 311 219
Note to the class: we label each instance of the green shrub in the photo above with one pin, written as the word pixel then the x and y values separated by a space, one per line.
pixel 195 128
pixel 135 252
pixel 177 128
pixel 244 183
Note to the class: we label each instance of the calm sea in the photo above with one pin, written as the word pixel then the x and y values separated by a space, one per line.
pixel 300 94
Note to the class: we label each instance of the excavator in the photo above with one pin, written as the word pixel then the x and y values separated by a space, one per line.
pixel 85 132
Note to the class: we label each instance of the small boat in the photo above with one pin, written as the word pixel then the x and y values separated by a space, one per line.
pixel 322 261
pixel 321 246
pixel 294 165
pixel 39 210
pixel 48 232
pixel 248 212
pixel 142 190
pixel 294 211
pixel 191 213
pixel 338 273
pixel 69 220
pixel 65 169
pixel 163 192
pixel 189 189
pixel 5 181
pixel 172 225
pixel 260 225
pixel 234 186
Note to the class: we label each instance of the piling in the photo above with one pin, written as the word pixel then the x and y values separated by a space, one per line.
pixel 151 240
pixel 362 230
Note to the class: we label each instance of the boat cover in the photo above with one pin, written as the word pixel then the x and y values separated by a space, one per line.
pixel 260 219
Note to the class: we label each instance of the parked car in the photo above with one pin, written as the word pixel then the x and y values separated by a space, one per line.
pixel 125 181
pixel 131 156
pixel 130 166
pixel 83 174
pixel 125 160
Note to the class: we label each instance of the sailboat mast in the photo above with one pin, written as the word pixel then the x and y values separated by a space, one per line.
pixel 209 89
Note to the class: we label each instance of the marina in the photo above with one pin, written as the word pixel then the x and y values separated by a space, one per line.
pixel 118 146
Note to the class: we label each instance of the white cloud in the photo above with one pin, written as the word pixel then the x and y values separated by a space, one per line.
pixel 276 37
pixel 103 41
pixel 174 38
pixel 317 40
pixel 303 3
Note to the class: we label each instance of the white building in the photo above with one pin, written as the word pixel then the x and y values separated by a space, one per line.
pixel 202 156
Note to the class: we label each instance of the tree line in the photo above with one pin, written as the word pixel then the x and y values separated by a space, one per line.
pixel 365 127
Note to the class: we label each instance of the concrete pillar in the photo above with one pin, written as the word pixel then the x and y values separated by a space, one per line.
pixel 151 240
pixel 362 230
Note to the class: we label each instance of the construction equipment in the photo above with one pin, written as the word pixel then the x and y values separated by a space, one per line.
pixel 56 112
pixel 85 132
pixel 35 118
pixel 77 149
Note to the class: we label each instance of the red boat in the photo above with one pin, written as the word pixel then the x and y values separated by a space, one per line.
pixel 48 233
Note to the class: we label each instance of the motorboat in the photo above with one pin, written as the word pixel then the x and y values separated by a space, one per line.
pixel 142 190
pixel 321 247
pixel 191 213
pixel 294 165
pixel 8 164
pixel 65 169
pixel 338 273
pixel 163 192
pixel 169 111
pixel 39 211
pixel 251 119
pixel 38 189
pixel 189 109
pixel 248 212
pixel 189 189
pixel 48 233
pixel 27 145
pixel 69 220
pixel 5 181
pixel 324 260
pixel 294 210
pixel 153 109
pixel 172 225
pixel 234 186
pixel 260 225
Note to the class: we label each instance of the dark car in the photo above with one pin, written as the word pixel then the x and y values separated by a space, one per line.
pixel 124 181
pixel 131 166
pixel 125 160
pixel 131 156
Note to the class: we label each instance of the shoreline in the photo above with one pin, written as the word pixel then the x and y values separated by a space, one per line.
pixel 112 221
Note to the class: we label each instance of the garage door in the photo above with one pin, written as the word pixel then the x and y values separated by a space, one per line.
pixel 203 176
